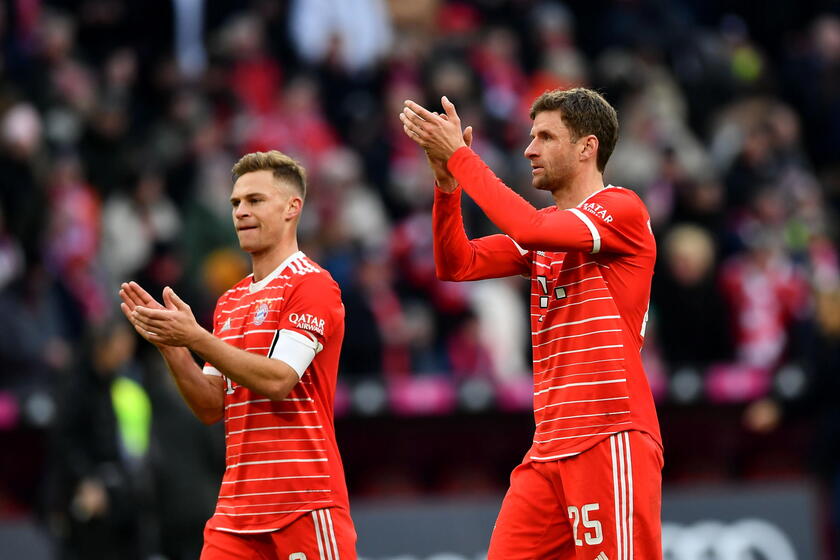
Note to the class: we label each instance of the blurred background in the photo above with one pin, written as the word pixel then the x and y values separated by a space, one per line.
pixel 120 121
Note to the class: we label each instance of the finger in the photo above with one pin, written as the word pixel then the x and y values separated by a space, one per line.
pixel 179 303
pixel 144 333
pixel 410 130
pixel 150 324
pixel 419 110
pixel 449 107
pixel 126 309
pixel 413 118
pixel 127 301
pixel 141 296
pixel 156 314
pixel 468 136
pixel 167 300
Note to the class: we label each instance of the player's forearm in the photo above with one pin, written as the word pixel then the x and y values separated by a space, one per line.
pixel 266 376
pixel 202 393
pixel 511 213
pixel 451 246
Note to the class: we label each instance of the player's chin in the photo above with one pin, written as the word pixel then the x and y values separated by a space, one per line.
pixel 248 245
pixel 540 184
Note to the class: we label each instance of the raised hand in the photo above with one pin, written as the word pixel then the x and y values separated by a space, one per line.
pixel 445 181
pixel 438 136
pixel 171 325
pixel 132 296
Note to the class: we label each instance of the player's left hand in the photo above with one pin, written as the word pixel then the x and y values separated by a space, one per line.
pixel 438 136
pixel 174 325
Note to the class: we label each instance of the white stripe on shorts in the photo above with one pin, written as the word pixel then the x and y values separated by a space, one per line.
pixel 622 467
pixel 318 535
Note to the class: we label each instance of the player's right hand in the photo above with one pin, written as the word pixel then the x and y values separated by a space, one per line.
pixel 133 295
pixel 444 179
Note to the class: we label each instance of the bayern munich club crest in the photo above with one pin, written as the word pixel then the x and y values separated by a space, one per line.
pixel 261 314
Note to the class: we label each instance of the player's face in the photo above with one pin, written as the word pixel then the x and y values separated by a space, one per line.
pixel 553 154
pixel 262 208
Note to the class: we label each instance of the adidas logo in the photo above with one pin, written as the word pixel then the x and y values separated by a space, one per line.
pixel 226 326
pixel 601 556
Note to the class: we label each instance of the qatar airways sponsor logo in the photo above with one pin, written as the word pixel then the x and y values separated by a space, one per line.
pixel 597 210
pixel 307 322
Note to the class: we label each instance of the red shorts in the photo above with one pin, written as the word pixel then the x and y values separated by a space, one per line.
pixel 603 504
pixel 324 534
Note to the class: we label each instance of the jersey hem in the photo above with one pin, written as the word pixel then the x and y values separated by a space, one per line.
pixel 592 443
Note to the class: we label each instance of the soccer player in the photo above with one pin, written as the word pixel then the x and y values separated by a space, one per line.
pixel 590 486
pixel 270 372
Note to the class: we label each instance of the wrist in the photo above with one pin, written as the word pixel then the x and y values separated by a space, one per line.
pixel 198 342
pixel 446 184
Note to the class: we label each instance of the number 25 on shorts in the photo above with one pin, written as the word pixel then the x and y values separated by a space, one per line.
pixel 581 515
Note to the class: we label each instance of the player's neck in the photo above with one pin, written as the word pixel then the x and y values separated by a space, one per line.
pixel 263 263
pixel 578 190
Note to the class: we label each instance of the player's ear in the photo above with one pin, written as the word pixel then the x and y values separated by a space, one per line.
pixel 589 147
pixel 294 207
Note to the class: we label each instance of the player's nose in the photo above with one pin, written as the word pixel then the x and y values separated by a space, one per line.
pixel 530 150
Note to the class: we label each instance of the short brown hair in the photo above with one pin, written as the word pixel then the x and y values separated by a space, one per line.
pixel 584 111
pixel 283 167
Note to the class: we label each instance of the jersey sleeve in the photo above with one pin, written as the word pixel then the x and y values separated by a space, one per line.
pixel 208 368
pixel 617 222
pixel 307 320
pixel 613 224
pixel 459 258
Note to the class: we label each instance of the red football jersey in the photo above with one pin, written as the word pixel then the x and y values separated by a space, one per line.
pixel 282 459
pixel 590 269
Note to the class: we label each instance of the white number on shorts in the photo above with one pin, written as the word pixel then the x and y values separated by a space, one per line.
pixel 583 515
pixel 297 556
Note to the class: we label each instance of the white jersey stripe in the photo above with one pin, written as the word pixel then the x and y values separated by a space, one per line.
pixel 272 412
pixel 584 416
pixel 270 493
pixel 582 321
pixel 266 504
pixel 276 478
pixel 578 351
pixel 248 402
pixel 579 364
pixel 582 383
pixel 270 512
pixel 588 425
pixel 573 437
pixel 278 451
pixel 273 428
pixel 577 402
pixel 566 376
pixel 278 461
pixel 580 302
pixel 272 441
pixel 596 237
pixel 552 457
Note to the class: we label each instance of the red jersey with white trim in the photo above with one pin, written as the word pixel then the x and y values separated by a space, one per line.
pixel 590 269
pixel 282 459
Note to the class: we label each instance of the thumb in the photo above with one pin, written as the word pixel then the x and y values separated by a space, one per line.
pixel 468 136
pixel 172 300
pixel 449 108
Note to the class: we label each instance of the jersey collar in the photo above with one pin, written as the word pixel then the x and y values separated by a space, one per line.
pixel 593 194
pixel 257 286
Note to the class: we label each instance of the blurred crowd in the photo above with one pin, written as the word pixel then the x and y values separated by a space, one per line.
pixel 120 121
